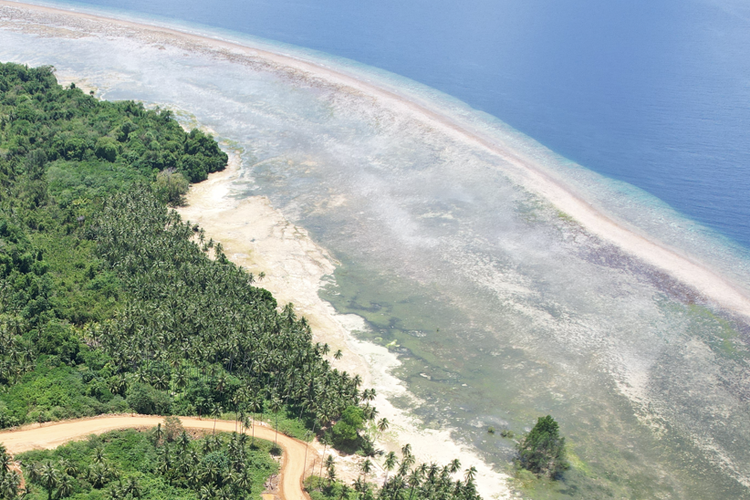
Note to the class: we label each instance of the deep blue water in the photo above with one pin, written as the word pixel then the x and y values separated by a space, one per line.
pixel 500 309
pixel 655 93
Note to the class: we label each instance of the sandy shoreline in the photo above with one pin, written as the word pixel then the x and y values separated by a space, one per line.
pixel 259 238
pixel 521 169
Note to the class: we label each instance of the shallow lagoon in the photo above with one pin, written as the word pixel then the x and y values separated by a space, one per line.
pixel 502 307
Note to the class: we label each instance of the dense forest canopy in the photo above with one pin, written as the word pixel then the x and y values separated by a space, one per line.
pixel 109 302
pixel 164 463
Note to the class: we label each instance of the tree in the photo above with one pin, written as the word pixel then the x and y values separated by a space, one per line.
pixel 49 478
pixel 366 469
pixel 383 424
pixel 106 149
pixel 331 468
pixel 390 463
pixel 172 428
pixel 147 400
pixel 133 488
pixel 455 465
pixel 275 407
pixel 542 451
pixel 10 484
pixel 346 430
pixel 170 187
pixel 64 486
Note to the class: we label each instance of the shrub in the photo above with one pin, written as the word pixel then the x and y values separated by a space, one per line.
pixel 170 187
pixel 145 399
pixel 106 149
pixel 542 451
pixel 346 430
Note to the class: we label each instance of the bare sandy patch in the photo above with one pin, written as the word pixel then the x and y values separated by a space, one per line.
pixel 261 240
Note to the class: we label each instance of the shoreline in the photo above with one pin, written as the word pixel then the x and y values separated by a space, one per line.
pixel 259 238
pixel 299 264
pixel 292 261
pixel 522 170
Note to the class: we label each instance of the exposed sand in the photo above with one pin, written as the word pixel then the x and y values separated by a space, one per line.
pixel 296 456
pixel 521 168
pixel 259 238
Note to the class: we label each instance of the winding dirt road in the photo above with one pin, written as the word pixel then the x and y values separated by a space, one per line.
pixel 33 437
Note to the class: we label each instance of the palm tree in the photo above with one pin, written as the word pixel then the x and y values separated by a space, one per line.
pixel 64 486
pixel 366 468
pixel 49 477
pixel 471 473
pixel 194 477
pixel 216 413
pixel 415 479
pixel 275 407
pixel 207 492
pixel 250 423
pixel 330 466
pixel 308 436
pixel 6 461
pixel 183 441
pixel 344 492
pixel 180 379
pixel 133 488
pixel 244 482
pixel 10 484
pixel 211 472
pixel 390 463
pixel 33 472
pixel 158 435
pixel 383 424
pixel 455 466
pixel 68 467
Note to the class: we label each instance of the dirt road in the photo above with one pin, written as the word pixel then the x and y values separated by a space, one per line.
pixel 52 435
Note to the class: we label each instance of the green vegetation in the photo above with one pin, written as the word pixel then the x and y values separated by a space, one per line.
pixel 170 187
pixel 346 431
pixel 542 450
pixel 109 302
pixel 10 480
pixel 411 481
pixel 150 465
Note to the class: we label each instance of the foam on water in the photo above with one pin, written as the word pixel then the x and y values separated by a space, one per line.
pixel 500 305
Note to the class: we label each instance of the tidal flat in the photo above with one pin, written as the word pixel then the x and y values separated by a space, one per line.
pixel 480 288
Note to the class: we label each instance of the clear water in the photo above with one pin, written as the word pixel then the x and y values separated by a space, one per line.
pixel 503 308
pixel 652 93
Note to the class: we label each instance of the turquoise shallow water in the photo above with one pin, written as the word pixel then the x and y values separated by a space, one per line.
pixel 502 308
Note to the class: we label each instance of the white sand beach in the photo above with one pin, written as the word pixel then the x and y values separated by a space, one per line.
pixel 259 238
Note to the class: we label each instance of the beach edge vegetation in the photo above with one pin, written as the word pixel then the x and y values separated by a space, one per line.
pixel 111 303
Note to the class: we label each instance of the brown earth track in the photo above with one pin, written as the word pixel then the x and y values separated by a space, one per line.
pixel 47 436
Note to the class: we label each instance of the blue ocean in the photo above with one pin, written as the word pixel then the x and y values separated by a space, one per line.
pixel 480 300
pixel 656 94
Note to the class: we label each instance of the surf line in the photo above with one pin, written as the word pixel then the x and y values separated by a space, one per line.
pixel 684 268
